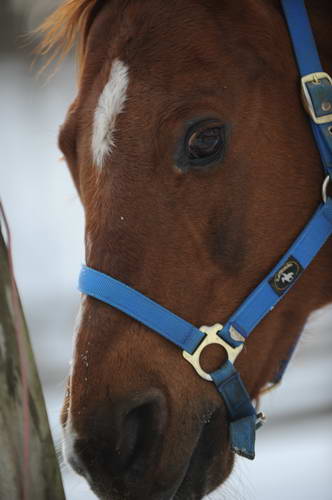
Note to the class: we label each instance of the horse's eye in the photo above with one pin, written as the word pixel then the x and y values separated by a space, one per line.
pixel 202 146
pixel 206 143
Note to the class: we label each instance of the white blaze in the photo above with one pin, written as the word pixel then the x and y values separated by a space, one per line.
pixel 110 105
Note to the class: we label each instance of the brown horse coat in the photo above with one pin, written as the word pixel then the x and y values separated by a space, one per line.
pixel 139 423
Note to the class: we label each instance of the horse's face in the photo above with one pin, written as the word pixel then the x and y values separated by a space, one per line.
pixel 188 175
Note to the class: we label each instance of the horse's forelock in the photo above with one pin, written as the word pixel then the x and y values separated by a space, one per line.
pixel 68 25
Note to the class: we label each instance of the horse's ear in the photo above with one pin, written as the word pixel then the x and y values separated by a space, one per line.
pixel 67 26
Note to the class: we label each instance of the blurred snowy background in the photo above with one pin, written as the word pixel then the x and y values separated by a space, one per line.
pixel 294 450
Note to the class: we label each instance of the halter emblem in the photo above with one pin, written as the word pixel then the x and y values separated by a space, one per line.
pixel 286 275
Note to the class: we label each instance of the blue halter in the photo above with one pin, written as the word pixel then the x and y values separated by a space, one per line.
pixel 317 98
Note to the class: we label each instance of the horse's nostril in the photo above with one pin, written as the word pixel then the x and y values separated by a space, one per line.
pixel 125 438
pixel 137 435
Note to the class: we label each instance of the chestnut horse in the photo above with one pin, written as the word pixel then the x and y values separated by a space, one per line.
pixel 196 167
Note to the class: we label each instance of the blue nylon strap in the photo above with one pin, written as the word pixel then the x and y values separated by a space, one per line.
pixel 264 298
pixel 230 385
pixel 183 334
pixel 308 62
pixel 249 314
pixel 241 412
pixel 242 436
pixel 140 307
pixel 303 40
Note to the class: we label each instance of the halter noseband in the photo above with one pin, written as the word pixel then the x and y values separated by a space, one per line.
pixel 316 89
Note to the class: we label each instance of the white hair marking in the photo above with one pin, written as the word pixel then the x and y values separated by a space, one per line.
pixel 110 105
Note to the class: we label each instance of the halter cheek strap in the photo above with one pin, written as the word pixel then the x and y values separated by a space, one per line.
pixel 316 86
pixel 317 97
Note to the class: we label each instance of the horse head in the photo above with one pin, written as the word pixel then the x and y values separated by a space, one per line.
pixel 196 169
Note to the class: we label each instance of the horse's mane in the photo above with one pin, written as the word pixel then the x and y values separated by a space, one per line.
pixel 67 25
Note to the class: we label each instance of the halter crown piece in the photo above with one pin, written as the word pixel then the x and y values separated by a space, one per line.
pixel 316 90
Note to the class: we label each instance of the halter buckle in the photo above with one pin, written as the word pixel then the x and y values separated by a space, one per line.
pixel 315 105
pixel 211 337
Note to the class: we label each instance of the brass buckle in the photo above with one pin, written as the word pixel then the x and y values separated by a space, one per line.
pixel 306 99
pixel 212 337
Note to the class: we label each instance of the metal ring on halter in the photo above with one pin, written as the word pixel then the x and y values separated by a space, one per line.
pixel 211 337
pixel 324 188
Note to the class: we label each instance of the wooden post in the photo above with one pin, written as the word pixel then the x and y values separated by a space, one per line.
pixel 29 468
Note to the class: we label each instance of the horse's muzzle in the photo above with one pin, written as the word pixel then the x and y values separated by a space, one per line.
pixel 122 448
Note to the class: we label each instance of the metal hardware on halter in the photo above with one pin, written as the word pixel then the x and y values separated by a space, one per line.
pixel 324 188
pixel 261 419
pixel 315 79
pixel 211 337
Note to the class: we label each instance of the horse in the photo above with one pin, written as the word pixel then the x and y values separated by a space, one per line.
pixel 192 156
